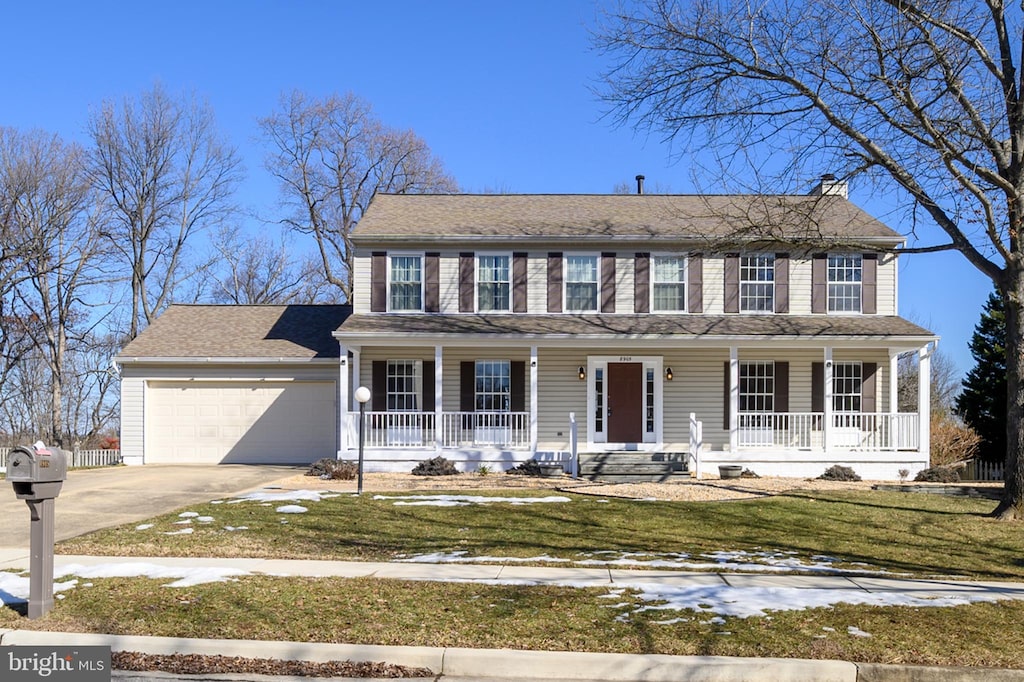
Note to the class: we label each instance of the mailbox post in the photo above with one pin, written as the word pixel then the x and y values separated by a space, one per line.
pixel 37 474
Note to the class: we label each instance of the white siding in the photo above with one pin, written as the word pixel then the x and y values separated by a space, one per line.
pixel 560 392
pixel 714 284
pixel 449 282
pixel 625 278
pixel 133 420
pixel 799 286
pixel 361 282
pixel 537 276
pixel 887 294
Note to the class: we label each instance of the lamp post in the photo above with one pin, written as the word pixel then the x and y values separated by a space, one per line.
pixel 362 397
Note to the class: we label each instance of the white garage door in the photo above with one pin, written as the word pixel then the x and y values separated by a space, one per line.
pixel 240 422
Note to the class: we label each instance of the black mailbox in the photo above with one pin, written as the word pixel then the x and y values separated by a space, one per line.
pixel 37 472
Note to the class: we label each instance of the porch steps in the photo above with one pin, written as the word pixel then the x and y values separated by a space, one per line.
pixel 634 467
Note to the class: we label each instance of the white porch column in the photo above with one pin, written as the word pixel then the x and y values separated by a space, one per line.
pixel 534 399
pixel 894 369
pixel 438 398
pixel 343 398
pixel 356 378
pixel 734 399
pixel 827 432
pixel 924 399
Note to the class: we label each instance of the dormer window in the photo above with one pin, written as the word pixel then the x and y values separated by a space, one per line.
pixel 405 283
pixel 581 284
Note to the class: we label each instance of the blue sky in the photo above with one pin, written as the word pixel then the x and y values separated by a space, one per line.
pixel 502 93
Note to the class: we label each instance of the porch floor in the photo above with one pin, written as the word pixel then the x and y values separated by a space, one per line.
pixel 634 467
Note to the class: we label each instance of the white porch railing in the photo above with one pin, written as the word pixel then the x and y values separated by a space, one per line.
pixel 880 431
pixel 458 429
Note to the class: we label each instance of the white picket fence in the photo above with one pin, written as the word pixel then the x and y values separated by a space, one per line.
pixel 79 458
pixel 983 471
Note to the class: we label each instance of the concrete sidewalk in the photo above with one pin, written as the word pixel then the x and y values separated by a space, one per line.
pixel 18 559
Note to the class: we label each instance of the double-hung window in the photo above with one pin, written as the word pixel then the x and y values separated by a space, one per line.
pixel 493 283
pixel 669 285
pixel 847 383
pixel 404 385
pixel 845 274
pixel 406 283
pixel 757 283
pixel 757 387
pixel 493 386
pixel 581 284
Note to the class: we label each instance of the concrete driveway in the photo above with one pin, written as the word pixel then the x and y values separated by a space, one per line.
pixel 98 498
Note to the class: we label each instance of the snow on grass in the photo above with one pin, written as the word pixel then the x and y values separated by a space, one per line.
pixel 291 509
pixel 144 526
pixel 465 500
pixel 856 631
pixel 183 531
pixel 188 515
pixel 281 496
pixel 460 557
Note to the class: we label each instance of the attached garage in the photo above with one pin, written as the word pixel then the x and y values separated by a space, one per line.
pixel 241 422
pixel 211 384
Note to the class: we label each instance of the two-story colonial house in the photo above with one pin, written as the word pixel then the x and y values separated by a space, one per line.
pixel 492 329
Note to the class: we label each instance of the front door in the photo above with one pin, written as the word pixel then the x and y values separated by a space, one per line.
pixel 625 402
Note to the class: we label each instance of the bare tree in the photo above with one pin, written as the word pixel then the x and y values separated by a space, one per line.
pixel 331 156
pixel 257 270
pixel 166 175
pixel 923 98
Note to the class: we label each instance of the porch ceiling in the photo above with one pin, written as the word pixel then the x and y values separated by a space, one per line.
pixel 710 328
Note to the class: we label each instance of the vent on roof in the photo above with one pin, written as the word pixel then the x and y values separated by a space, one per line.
pixel 639 184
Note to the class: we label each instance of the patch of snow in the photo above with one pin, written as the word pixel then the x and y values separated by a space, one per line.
pixel 183 531
pixel 216 501
pixel 460 557
pixel 144 526
pixel 291 509
pixel 234 528
pixel 282 496
pixel 464 500
pixel 184 576
pixel 857 632
pixel 186 522
pixel 204 519
pixel 188 515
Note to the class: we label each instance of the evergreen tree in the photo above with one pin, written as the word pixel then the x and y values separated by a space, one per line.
pixel 982 404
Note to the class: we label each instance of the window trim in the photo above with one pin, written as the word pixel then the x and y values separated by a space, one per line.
pixel 597 281
pixel 829 282
pixel 685 283
pixel 406 254
pixel 770 268
pixel 476 279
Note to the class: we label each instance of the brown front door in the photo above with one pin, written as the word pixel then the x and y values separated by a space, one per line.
pixel 625 402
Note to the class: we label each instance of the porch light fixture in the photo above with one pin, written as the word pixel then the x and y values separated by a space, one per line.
pixel 668 374
pixel 583 372
pixel 362 397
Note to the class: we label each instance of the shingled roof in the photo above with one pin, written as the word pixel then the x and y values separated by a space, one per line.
pixel 626 326
pixel 299 332
pixel 401 217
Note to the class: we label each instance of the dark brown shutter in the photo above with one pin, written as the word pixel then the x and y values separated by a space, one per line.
pixel 782 284
pixel 467 386
pixel 727 405
pixel 428 403
pixel 466 283
pixel 869 284
pixel 869 387
pixel 554 282
pixel 432 283
pixel 519 282
pixel 607 282
pixel 642 283
pixel 781 397
pixel 378 282
pixel 817 387
pixel 517 390
pixel 819 283
pixel 732 282
pixel 379 386
pixel 695 283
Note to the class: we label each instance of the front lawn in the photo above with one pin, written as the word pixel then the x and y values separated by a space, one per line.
pixel 920 535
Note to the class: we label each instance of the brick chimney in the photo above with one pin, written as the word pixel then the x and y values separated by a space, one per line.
pixel 829 186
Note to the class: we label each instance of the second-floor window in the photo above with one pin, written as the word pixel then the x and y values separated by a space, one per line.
pixel 669 285
pixel 757 283
pixel 845 274
pixel 581 284
pixel 757 387
pixel 406 284
pixel 493 284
